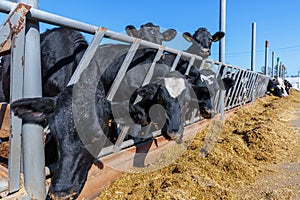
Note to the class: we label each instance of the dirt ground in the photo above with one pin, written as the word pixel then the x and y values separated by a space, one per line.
pixel 256 156
pixel 281 180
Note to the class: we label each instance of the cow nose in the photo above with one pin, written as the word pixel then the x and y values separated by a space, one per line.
pixel 205 50
pixel 207 113
pixel 60 195
pixel 175 135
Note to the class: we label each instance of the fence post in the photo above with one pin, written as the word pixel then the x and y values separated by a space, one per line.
pixel 266 57
pixel 253 46
pixel 32 137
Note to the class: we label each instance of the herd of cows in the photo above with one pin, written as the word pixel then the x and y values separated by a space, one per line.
pixel 81 119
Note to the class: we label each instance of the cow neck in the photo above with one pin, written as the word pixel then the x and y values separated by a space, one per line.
pixel 193 49
pixel 141 56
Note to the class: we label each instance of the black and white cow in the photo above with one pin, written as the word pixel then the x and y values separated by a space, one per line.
pixel 166 89
pixel 287 85
pixel 204 82
pixel 61 51
pixel 276 87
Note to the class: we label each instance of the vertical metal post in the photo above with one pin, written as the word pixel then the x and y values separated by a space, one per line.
pixel 266 57
pixel 253 46
pixel 273 58
pixel 283 73
pixel 16 92
pixel 222 28
pixel 32 137
pixel 279 69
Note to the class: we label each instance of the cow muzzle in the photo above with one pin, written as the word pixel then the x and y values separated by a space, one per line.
pixel 61 195
pixel 207 113
pixel 176 136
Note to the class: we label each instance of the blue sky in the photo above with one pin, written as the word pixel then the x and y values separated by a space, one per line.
pixel 276 21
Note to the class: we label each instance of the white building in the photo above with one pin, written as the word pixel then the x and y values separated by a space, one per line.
pixel 295 81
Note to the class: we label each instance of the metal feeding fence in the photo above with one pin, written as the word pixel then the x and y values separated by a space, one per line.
pixel 25 73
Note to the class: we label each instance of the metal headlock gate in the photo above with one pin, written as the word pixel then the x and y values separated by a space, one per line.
pixel 21 30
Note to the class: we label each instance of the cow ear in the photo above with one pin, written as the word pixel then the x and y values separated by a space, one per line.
pixel 187 36
pixel 33 110
pixel 218 36
pixel 227 83
pixel 131 31
pixel 169 34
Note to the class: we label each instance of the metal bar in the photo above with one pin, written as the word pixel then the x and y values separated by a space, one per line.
pixel 13 24
pixel 16 92
pixel 190 65
pixel 266 57
pixel 259 87
pixel 254 90
pixel 222 104
pixel 241 89
pixel 273 59
pixel 264 87
pixel 202 63
pixel 222 28
pixel 32 135
pixel 88 55
pixel 249 86
pixel 253 46
pixel 120 139
pixel 220 97
pixel 230 91
pixel 123 69
pixel 232 95
pixel 175 63
pixel 152 67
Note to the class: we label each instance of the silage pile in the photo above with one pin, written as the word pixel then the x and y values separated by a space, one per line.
pixel 252 138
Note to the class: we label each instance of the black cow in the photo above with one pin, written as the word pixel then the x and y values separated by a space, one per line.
pixel 202 41
pixel 151 33
pixel 111 56
pixel 61 51
pixel 78 119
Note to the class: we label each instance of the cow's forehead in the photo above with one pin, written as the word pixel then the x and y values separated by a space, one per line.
pixel 202 33
pixel 175 86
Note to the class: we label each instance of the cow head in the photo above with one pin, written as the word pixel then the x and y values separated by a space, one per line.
pixel 205 87
pixel 274 87
pixel 168 93
pixel 151 33
pixel 202 41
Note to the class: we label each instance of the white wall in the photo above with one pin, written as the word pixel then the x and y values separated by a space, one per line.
pixel 295 81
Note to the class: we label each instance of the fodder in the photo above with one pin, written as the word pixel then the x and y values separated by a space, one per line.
pixel 216 164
